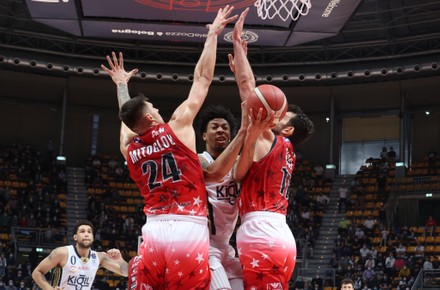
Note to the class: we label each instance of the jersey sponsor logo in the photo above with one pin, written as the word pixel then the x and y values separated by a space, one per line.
pixel 155 133
pixel 79 281
pixel 72 269
pixel 229 192
pixel 159 145
pixel 274 286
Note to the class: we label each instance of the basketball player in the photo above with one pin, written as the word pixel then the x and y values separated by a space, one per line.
pixel 347 284
pixel 265 243
pixel 162 160
pixel 217 125
pixel 76 266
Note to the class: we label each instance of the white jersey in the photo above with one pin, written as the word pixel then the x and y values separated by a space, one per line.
pixel 76 274
pixel 223 211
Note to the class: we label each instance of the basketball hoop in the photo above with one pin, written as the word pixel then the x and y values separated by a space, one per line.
pixel 268 9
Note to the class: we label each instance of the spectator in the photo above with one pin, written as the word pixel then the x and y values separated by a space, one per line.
pixel 405 272
pixel 384 236
pixel 399 263
pixel 364 252
pixel 389 264
pixel 370 263
pixel 368 275
pixel 402 284
pixel 343 193
pixel 343 226
pixel 299 284
pixel 391 156
pixel 430 225
pixel 3 265
pixel 11 285
pixel 401 250
pixel 419 250
pixel 317 282
pixel 322 200
pixel 319 174
pixel 432 159
pixel 427 265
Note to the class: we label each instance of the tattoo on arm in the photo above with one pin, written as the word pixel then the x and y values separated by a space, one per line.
pixel 203 163
pixel 123 95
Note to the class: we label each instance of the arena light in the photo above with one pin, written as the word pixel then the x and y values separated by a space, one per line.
pixel 61 159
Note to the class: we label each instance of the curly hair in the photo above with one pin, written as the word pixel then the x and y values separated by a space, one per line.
pixel 304 127
pixel 212 112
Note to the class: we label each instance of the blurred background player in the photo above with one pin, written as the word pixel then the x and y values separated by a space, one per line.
pixel 76 266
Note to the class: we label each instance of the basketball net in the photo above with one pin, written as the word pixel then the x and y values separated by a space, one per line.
pixel 285 9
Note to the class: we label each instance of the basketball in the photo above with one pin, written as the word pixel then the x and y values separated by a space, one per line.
pixel 268 97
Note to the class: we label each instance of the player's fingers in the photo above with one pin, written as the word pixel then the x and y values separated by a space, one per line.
pixel 121 60
pixel 104 68
pixel 115 60
pixel 110 63
pixel 133 72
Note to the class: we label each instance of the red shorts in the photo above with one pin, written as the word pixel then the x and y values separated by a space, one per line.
pixel 174 255
pixel 267 251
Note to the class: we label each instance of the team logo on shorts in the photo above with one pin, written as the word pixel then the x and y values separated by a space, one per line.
pixel 274 286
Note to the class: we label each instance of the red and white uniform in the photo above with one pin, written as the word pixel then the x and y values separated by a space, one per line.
pixel 265 243
pixel 174 252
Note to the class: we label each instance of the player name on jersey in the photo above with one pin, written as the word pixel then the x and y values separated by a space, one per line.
pixel 160 144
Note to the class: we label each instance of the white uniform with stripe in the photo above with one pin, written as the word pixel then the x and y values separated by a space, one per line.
pixel 76 275
pixel 223 214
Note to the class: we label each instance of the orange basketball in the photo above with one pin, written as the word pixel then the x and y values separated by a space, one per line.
pixel 268 97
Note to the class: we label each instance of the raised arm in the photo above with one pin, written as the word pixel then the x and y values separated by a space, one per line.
pixel 113 261
pixel 225 161
pixel 254 132
pixel 57 257
pixel 243 71
pixel 203 75
pixel 120 77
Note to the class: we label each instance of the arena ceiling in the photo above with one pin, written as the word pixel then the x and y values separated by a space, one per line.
pixel 368 56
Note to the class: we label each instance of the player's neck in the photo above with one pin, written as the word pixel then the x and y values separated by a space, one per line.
pixel 82 252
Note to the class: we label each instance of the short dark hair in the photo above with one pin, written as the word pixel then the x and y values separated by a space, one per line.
pixel 304 127
pixel 212 112
pixel 82 223
pixel 132 110
pixel 346 281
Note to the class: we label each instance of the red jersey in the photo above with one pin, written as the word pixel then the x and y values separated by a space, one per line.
pixel 167 173
pixel 266 185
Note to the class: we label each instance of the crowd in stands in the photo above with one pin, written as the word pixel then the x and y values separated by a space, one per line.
pixel 368 249
pixel 32 197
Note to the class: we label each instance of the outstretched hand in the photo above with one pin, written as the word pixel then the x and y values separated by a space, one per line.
pixel 231 56
pixel 238 28
pixel 117 71
pixel 222 20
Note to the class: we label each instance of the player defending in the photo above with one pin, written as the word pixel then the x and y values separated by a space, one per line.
pixel 162 160
pixel 76 266
pixel 265 243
